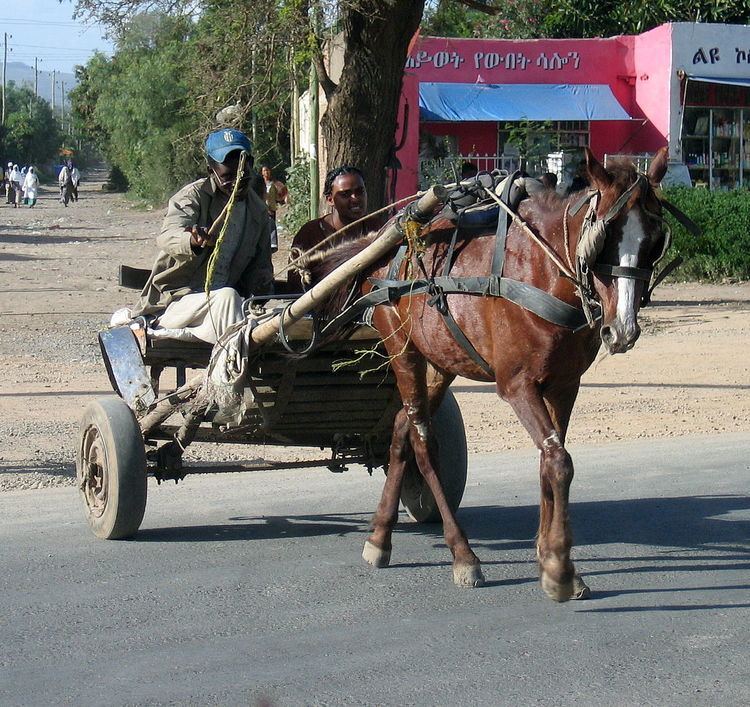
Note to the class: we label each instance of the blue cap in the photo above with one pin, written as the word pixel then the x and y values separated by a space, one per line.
pixel 221 142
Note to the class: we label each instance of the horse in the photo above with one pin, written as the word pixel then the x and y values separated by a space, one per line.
pixel 535 364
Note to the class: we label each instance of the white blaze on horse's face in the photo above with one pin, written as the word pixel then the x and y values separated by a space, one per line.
pixel 624 331
pixel 633 236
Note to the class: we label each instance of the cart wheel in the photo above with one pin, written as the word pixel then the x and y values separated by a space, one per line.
pixel 448 426
pixel 111 469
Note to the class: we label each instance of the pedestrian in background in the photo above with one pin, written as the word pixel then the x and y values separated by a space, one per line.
pixel 16 182
pixel 65 180
pixel 75 177
pixel 10 197
pixel 272 205
pixel 30 187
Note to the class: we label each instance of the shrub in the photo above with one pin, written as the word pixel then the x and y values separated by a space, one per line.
pixel 298 184
pixel 723 250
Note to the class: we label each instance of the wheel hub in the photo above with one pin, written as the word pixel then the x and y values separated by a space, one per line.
pixel 92 475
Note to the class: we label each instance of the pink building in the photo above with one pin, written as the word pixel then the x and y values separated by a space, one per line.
pixel 536 103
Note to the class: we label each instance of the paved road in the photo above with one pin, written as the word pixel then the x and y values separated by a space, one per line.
pixel 249 590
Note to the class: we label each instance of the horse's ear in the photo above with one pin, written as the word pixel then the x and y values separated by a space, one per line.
pixel 658 167
pixel 598 176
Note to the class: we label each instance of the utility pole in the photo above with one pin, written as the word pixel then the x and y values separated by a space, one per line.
pixel 314 169
pixel 36 77
pixel 5 62
pixel 62 106
pixel 54 90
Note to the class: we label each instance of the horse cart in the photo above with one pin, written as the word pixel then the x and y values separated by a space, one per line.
pixel 285 399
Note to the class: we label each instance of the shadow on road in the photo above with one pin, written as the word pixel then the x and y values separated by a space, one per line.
pixel 720 523
pixel 261 528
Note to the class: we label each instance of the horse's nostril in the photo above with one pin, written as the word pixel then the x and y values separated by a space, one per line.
pixel 607 334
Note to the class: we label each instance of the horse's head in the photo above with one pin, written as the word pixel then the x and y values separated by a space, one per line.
pixel 622 238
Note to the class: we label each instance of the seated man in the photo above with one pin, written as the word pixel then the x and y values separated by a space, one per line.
pixel 175 291
pixel 346 196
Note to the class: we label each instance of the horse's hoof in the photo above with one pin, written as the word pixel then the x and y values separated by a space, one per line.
pixel 468 575
pixel 557 591
pixel 580 590
pixel 373 555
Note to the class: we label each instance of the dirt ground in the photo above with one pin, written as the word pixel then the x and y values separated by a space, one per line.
pixel 687 375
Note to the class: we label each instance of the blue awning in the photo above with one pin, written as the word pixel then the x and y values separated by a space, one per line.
pixel 461 102
pixel 727 80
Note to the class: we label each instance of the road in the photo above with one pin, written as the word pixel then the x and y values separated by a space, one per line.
pixel 248 589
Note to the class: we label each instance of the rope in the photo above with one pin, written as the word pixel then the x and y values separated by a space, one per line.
pixel 327 240
pixel 227 213
pixel 524 226
pixel 229 208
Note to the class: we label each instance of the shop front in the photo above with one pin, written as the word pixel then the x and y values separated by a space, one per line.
pixel 534 104
pixel 712 96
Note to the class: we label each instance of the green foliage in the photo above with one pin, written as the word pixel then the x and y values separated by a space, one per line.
pixel 724 248
pixel 532 138
pixel 31 135
pixel 149 107
pixel 136 108
pixel 524 19
pixel 298 184
pixel 449 18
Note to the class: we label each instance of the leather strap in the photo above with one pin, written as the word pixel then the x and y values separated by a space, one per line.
pixel 623 271
pixel 439 300
pixel 689 225
pixel 498 257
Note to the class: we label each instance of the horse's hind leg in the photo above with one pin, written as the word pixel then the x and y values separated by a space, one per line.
pixel 413 430
pixel 554 540
pixel 377 549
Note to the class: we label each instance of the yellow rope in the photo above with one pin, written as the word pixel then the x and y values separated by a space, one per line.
pixel 230 207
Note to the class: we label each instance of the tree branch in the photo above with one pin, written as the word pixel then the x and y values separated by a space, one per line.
pixel 325 81
pixel 481 7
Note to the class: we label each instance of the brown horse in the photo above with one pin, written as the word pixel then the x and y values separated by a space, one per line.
pixel 536 365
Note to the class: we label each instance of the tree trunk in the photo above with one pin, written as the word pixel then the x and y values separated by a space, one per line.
pixel 360 123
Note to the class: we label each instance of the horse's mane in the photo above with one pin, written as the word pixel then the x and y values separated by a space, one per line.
pixel 316 266
pixel 623 172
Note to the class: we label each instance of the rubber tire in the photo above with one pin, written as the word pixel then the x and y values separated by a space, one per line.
pixel 112 424
pixel 453 461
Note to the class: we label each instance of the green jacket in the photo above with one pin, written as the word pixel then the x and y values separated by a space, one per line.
pixel 179 271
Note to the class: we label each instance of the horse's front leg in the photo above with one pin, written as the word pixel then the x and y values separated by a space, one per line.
pixel 554 539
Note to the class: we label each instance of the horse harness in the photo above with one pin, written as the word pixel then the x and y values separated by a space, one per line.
pixel 533 299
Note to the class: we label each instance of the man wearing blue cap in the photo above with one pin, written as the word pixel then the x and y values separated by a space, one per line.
pixel 175 291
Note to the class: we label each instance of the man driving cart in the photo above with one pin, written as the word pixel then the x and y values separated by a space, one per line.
pixel 174 299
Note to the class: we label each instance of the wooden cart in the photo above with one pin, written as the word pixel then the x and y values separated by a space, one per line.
pixel 290 401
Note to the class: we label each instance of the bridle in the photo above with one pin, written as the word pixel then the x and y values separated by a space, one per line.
pixel 594 233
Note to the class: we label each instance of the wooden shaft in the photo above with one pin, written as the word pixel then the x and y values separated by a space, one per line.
pixel 425 207
pixel 266 332
pixel 169 405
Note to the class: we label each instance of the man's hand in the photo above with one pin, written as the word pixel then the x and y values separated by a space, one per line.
pixel 200 239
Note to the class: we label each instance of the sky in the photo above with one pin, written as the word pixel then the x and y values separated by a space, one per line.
pixel 45 29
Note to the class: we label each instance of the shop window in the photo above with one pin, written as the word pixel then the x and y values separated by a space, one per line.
pixel 715 145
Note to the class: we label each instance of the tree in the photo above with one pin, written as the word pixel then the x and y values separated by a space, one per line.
pixel 31 134
pixel 520 19
pixel 136 106
pixel 360 122
pixel 249 57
